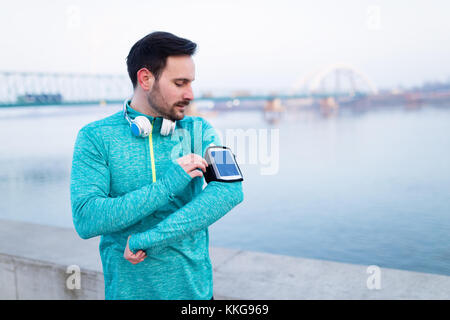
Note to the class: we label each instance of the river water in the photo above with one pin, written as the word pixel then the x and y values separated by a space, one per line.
pixel 370 187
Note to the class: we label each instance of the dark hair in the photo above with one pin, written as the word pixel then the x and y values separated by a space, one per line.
pixel 152 51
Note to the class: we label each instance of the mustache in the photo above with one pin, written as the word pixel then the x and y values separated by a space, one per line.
pixel 183 103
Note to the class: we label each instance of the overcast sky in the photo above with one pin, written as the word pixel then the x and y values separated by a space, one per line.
pixel 241 44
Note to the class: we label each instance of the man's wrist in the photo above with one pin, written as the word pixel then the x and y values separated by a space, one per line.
pixel 133 246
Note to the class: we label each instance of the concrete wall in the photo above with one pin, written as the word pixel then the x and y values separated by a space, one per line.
pixel 34 261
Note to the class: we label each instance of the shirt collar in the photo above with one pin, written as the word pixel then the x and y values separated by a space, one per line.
pixel 132 113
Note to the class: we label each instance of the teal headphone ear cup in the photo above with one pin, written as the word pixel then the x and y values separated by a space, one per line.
pixel 141 126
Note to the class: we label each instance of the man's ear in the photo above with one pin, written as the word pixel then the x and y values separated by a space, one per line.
pixel 145 79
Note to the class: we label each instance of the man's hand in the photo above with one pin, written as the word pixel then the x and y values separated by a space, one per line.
pixel 191 162
pixel 134 258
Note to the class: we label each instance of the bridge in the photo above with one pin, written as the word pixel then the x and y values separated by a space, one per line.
pixel 40 89
pixel 339 78
pixel 31 89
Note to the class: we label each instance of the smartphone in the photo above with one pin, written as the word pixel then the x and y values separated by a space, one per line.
pixel 222 165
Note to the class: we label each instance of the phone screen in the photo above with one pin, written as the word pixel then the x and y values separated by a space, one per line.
pixel 224 161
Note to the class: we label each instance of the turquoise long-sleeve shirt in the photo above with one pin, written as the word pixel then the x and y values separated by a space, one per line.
pixel 122 186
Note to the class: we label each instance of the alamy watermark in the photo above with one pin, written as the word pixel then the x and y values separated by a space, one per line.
pixel 73 17
pixel 73 281
pixel 251 146
pixel 256 147
pixel 373 20
pixel 374 280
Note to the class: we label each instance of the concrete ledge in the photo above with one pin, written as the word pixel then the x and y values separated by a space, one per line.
pixel 34 261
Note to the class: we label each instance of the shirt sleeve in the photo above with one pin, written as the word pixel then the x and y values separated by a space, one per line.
pixel 96 213
pixel 217 199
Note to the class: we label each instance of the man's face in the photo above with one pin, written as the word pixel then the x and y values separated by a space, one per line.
pixel 173 91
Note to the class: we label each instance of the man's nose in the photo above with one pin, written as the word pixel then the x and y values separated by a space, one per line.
pixel 188 94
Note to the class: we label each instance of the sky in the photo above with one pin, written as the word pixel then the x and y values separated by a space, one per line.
pixel 248 45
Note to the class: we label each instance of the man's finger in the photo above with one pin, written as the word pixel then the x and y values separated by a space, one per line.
pixel 192 158
pixel 197 165
pixel 200 159
pixel 196 173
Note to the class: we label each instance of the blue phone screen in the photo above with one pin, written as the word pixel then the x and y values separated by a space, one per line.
pixel 225 163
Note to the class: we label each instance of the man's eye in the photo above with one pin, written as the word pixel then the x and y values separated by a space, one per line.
pixel 178 84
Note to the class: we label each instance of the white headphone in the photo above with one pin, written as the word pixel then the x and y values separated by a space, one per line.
pixel 141 126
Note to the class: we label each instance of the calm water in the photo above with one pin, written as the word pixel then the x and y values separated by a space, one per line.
pixel 366 188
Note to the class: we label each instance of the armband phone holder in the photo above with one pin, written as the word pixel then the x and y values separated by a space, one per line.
pixel 222 165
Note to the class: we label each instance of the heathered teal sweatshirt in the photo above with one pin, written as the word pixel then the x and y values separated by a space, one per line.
pixel 114 195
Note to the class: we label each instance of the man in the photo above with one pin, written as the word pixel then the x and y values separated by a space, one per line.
pixel 144 195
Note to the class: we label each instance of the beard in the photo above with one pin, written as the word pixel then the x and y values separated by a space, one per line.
pixel 159 104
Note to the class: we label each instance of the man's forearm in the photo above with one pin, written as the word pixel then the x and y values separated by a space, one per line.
pixel 210 205
pixel 95 214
